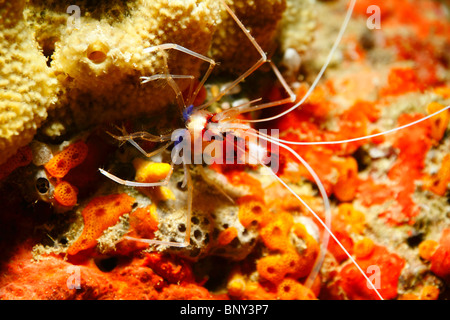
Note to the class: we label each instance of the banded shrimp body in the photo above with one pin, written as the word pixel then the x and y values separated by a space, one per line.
pixel 189 143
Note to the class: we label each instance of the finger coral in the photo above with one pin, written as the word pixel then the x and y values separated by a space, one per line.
pixel 27 86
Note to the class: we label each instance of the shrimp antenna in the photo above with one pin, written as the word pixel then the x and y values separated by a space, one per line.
pixel 326 235
pixel 326 225
pixel 170 77
pixel 314 143
pixel 321 72
pixel 249 71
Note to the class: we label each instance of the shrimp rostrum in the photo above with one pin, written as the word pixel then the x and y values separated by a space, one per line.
pixel 227 137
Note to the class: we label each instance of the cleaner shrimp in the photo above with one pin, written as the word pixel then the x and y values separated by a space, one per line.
pixel 198 120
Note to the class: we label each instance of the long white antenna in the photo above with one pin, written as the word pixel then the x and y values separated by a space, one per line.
pixel 326 225
pixel 325 236
pixel 322 71
pixel 314 143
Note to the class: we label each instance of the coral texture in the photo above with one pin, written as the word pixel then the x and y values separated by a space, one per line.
pixel 67 159
pixel 298 25
pixel 27 86
pixel 21 158
pixel 70 232
pixel 99 214
pixel 261 18
pixel 99 55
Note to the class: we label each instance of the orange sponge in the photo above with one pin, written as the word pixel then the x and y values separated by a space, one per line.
pixel 145 221
pixel 275 233
pixel 252 211
pixel 440 260
pixel 427 248
pixel 21 158
pixel 290 289
pixel 429 293
pixel 272 268
pixel 67 159
pixel 353 220
pixel 309 254
pixel 65 194
pixel 381 266
pixel 439 122
pixel 363 248
pixel 241 178
pixel 345 187
pixel 227 235
pixel 275 268
pixel 437 183
pixel 99 214
pixel 400 81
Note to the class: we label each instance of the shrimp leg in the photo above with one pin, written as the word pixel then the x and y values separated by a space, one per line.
pixel 258 64
pixel 212 63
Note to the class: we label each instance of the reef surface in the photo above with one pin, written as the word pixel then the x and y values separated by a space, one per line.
pixel 71 83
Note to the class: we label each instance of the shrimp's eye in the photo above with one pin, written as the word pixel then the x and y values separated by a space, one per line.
pixel 42 185
pixel 187 112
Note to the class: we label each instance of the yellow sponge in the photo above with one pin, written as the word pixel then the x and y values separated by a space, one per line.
pixel 147 171
pixel 27 86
